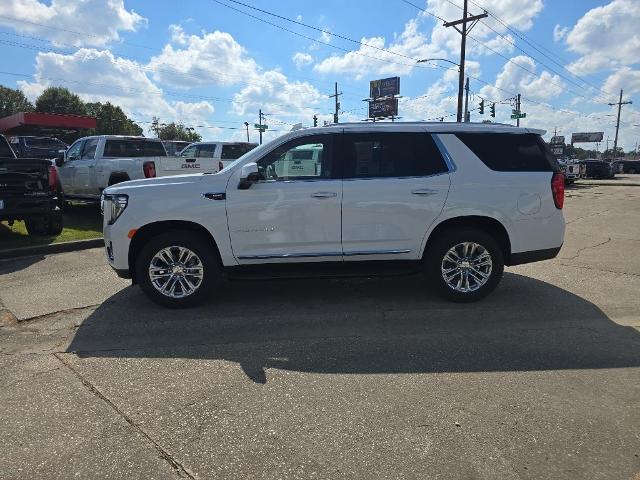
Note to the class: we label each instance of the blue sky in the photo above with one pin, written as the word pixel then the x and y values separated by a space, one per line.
pixel 211 66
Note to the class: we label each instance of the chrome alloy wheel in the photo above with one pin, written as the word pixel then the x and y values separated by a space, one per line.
pixel 176 272
pixel 466 267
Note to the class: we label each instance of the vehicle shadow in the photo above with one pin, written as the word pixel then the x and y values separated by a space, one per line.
pixel 365 326
pixel 10 265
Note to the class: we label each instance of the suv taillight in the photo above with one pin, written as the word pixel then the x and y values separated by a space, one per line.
pixel 149 169
pixel 557 189
pixel 53 179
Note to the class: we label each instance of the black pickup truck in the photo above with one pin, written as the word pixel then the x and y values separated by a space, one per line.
pixel 29 191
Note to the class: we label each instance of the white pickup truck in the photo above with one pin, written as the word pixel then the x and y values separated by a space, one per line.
pixel 92 164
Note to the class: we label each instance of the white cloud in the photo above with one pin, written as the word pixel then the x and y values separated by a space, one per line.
pixel 513 78
pixel 559 32
pixel 98 76
pixel 302 59
pixel 191 60
pixel 98 21
pixel 606 37
pixel 624 78
pixel 410 43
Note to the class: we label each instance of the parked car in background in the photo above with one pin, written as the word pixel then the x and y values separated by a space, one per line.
pixel 93 163
pixel 174 147
pixel 572 170
pixel 223 153
pixel 457 201
pixel 37 147
pixel 629 166
pixel 598 169
pixel 29 191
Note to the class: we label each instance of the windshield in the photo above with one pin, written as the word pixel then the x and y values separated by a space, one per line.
pixel 43 142
pixel 127 148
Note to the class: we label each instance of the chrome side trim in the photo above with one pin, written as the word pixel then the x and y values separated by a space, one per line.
pixel 445 153
pixel 375 252
pixel 324 254
pixel 290 255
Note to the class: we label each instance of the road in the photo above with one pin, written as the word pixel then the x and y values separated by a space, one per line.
pixel 352 378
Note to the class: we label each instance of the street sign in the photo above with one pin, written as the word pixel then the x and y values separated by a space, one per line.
pixel 587 137
pixel 387 107
pixel 385 87
pixel 519 115
pixel 260 127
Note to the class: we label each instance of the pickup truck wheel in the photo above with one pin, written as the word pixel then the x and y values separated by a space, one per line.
pixel 51 224
pixel 464 264
pixel 177 269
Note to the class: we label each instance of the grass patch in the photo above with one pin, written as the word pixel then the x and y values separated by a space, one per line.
pixel 81 222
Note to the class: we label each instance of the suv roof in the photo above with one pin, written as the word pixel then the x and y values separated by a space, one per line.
pixel 436 127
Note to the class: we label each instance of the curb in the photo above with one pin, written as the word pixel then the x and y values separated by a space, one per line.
pixel 52 248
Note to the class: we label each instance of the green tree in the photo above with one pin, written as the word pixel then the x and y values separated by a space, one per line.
pixel 173 131
pixel 13 101
pixel 60 100
pixel 111 120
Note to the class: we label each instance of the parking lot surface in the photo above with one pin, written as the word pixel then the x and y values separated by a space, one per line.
pixel 345 378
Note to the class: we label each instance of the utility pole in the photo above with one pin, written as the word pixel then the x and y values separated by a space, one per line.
pixel 463 46
pixel 518 109
pixel 336 95
pixel 620 103
pixel 260 115
pixel 467 116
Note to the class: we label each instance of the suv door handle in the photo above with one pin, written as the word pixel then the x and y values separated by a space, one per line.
pixel 324 194
pixel 424 191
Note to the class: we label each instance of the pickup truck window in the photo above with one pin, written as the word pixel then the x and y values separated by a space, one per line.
pixel 5 149
pixel 189 152
pixel 89 150
pixel 206 150
pixel 43 142
pixel 74 151
pixel 131 148
pixel 232 152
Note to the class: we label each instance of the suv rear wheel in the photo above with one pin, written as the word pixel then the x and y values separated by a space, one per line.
pixel 464 264
pixel 177 269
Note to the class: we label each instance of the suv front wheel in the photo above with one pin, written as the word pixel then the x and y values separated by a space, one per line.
pixel 464 264
pixel 177 269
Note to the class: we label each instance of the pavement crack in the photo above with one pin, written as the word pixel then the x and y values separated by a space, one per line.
pixel 45 316
pixel 587 216
pixel 180 469
pixel 587 248
pixel 585 267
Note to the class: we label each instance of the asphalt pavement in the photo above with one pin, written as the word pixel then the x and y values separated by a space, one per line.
pixel 353 378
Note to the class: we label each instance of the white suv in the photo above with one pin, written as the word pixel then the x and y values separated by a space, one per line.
pixel 457 201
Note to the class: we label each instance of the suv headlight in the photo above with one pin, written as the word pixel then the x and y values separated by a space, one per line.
pixel 112 206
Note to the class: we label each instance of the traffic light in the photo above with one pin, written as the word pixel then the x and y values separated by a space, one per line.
pixel 315 120
pixel 481 110
pixel 493 109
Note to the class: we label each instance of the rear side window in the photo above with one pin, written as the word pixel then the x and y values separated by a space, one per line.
pixel 508 152
pixel 5 149
pixel 403 154
pixel 206 150
pixel 123 148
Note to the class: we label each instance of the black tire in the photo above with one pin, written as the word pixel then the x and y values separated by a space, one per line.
pixel 448 239
pixel 211 269
pixel 49 225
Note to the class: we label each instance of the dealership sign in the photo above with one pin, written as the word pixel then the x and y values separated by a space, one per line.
pixel 557 140
pixel 385 87
pixel 587 137
pixel 387 107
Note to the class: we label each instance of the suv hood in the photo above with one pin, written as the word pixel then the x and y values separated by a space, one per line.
pixel 159 182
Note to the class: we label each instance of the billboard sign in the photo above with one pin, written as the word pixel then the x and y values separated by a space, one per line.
pixel 587 137
pixel 557 150
pixel 557 140
pixel 385 87
pixel 387 107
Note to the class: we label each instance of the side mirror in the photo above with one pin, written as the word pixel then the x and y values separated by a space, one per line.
pixel 60 158
pixel 248 175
